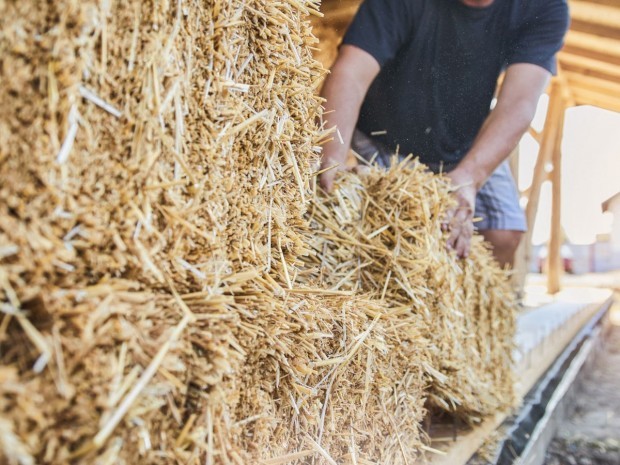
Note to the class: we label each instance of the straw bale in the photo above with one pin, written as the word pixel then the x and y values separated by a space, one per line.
pixel 157 302
pixel 381 234
pixel 335 375
pixel 146 148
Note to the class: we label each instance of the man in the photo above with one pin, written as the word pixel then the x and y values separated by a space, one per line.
pixel 419 76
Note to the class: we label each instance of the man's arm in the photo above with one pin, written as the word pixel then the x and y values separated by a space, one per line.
pixel 344 91
pixel 499 135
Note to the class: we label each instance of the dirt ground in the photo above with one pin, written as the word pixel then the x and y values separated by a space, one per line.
pixel 591 436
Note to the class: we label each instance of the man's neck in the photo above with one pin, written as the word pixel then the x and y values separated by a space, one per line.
pixel 477 3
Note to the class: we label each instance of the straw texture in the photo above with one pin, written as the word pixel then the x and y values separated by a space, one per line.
pixel 381 235
pixel 170 287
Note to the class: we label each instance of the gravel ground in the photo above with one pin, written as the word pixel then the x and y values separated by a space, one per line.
pixel 591 436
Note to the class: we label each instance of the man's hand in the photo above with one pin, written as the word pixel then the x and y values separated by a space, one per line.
pixel 459 220
pixel 327 177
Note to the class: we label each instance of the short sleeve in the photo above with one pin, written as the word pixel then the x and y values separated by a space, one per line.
pixel 380 28
pixel 541 36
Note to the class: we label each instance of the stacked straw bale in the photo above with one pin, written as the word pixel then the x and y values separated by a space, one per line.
pixel 155 162
pixel 333 383
pixel 381 235
pixel 164 295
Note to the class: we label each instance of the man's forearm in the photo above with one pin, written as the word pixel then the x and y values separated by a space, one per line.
pixel 344 91
pixel 343 102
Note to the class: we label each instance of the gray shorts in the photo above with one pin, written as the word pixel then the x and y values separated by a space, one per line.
pixel 497 203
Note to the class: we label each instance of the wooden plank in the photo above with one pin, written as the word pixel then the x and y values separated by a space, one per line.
pixel 593 43
pixel 577 80
pixel 596 29
pixel 587 97
pixel 520 267
pixel 600 15
pixel 555 108
pixel 605 2
pixel 589 66
pixel 555 266
pixel 468 442
pixel 567 93
pixel 534 133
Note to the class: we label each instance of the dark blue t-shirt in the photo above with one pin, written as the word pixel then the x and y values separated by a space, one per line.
pixel 440 62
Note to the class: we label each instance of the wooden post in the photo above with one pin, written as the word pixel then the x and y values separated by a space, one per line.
pixel 555 266
pixel 513 159
pixel 520 270
pixel 520 266
pixel 549 136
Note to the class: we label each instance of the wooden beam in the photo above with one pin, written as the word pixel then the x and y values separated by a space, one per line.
pixel 597 99
pixel 554 257
pixel 595 84
pixel 549 135
pixel 468 442
pixel 513 159
pixel 590 66
pixel 534 133
pixel 555 108
pixel 596 29
pixel 600 15
pixel 594 43
pixel 605 2
pixel 567 94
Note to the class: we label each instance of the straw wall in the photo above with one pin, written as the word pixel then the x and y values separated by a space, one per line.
pixel 145 148
pixel 155 167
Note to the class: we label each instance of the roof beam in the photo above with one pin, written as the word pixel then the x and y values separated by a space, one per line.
pixel 591 42
pixel 589 66
pixel 589 97
pixel 604 86
pixel 605 2
pixel 594 13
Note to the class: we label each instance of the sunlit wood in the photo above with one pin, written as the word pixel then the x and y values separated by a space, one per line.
pixel 554 257
pixel 595 43
pixel 589 97
pixel 534 133
pixel 594 84
pixel 593 13
pixel 590 65
pixel 549 135
pixel 567 93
